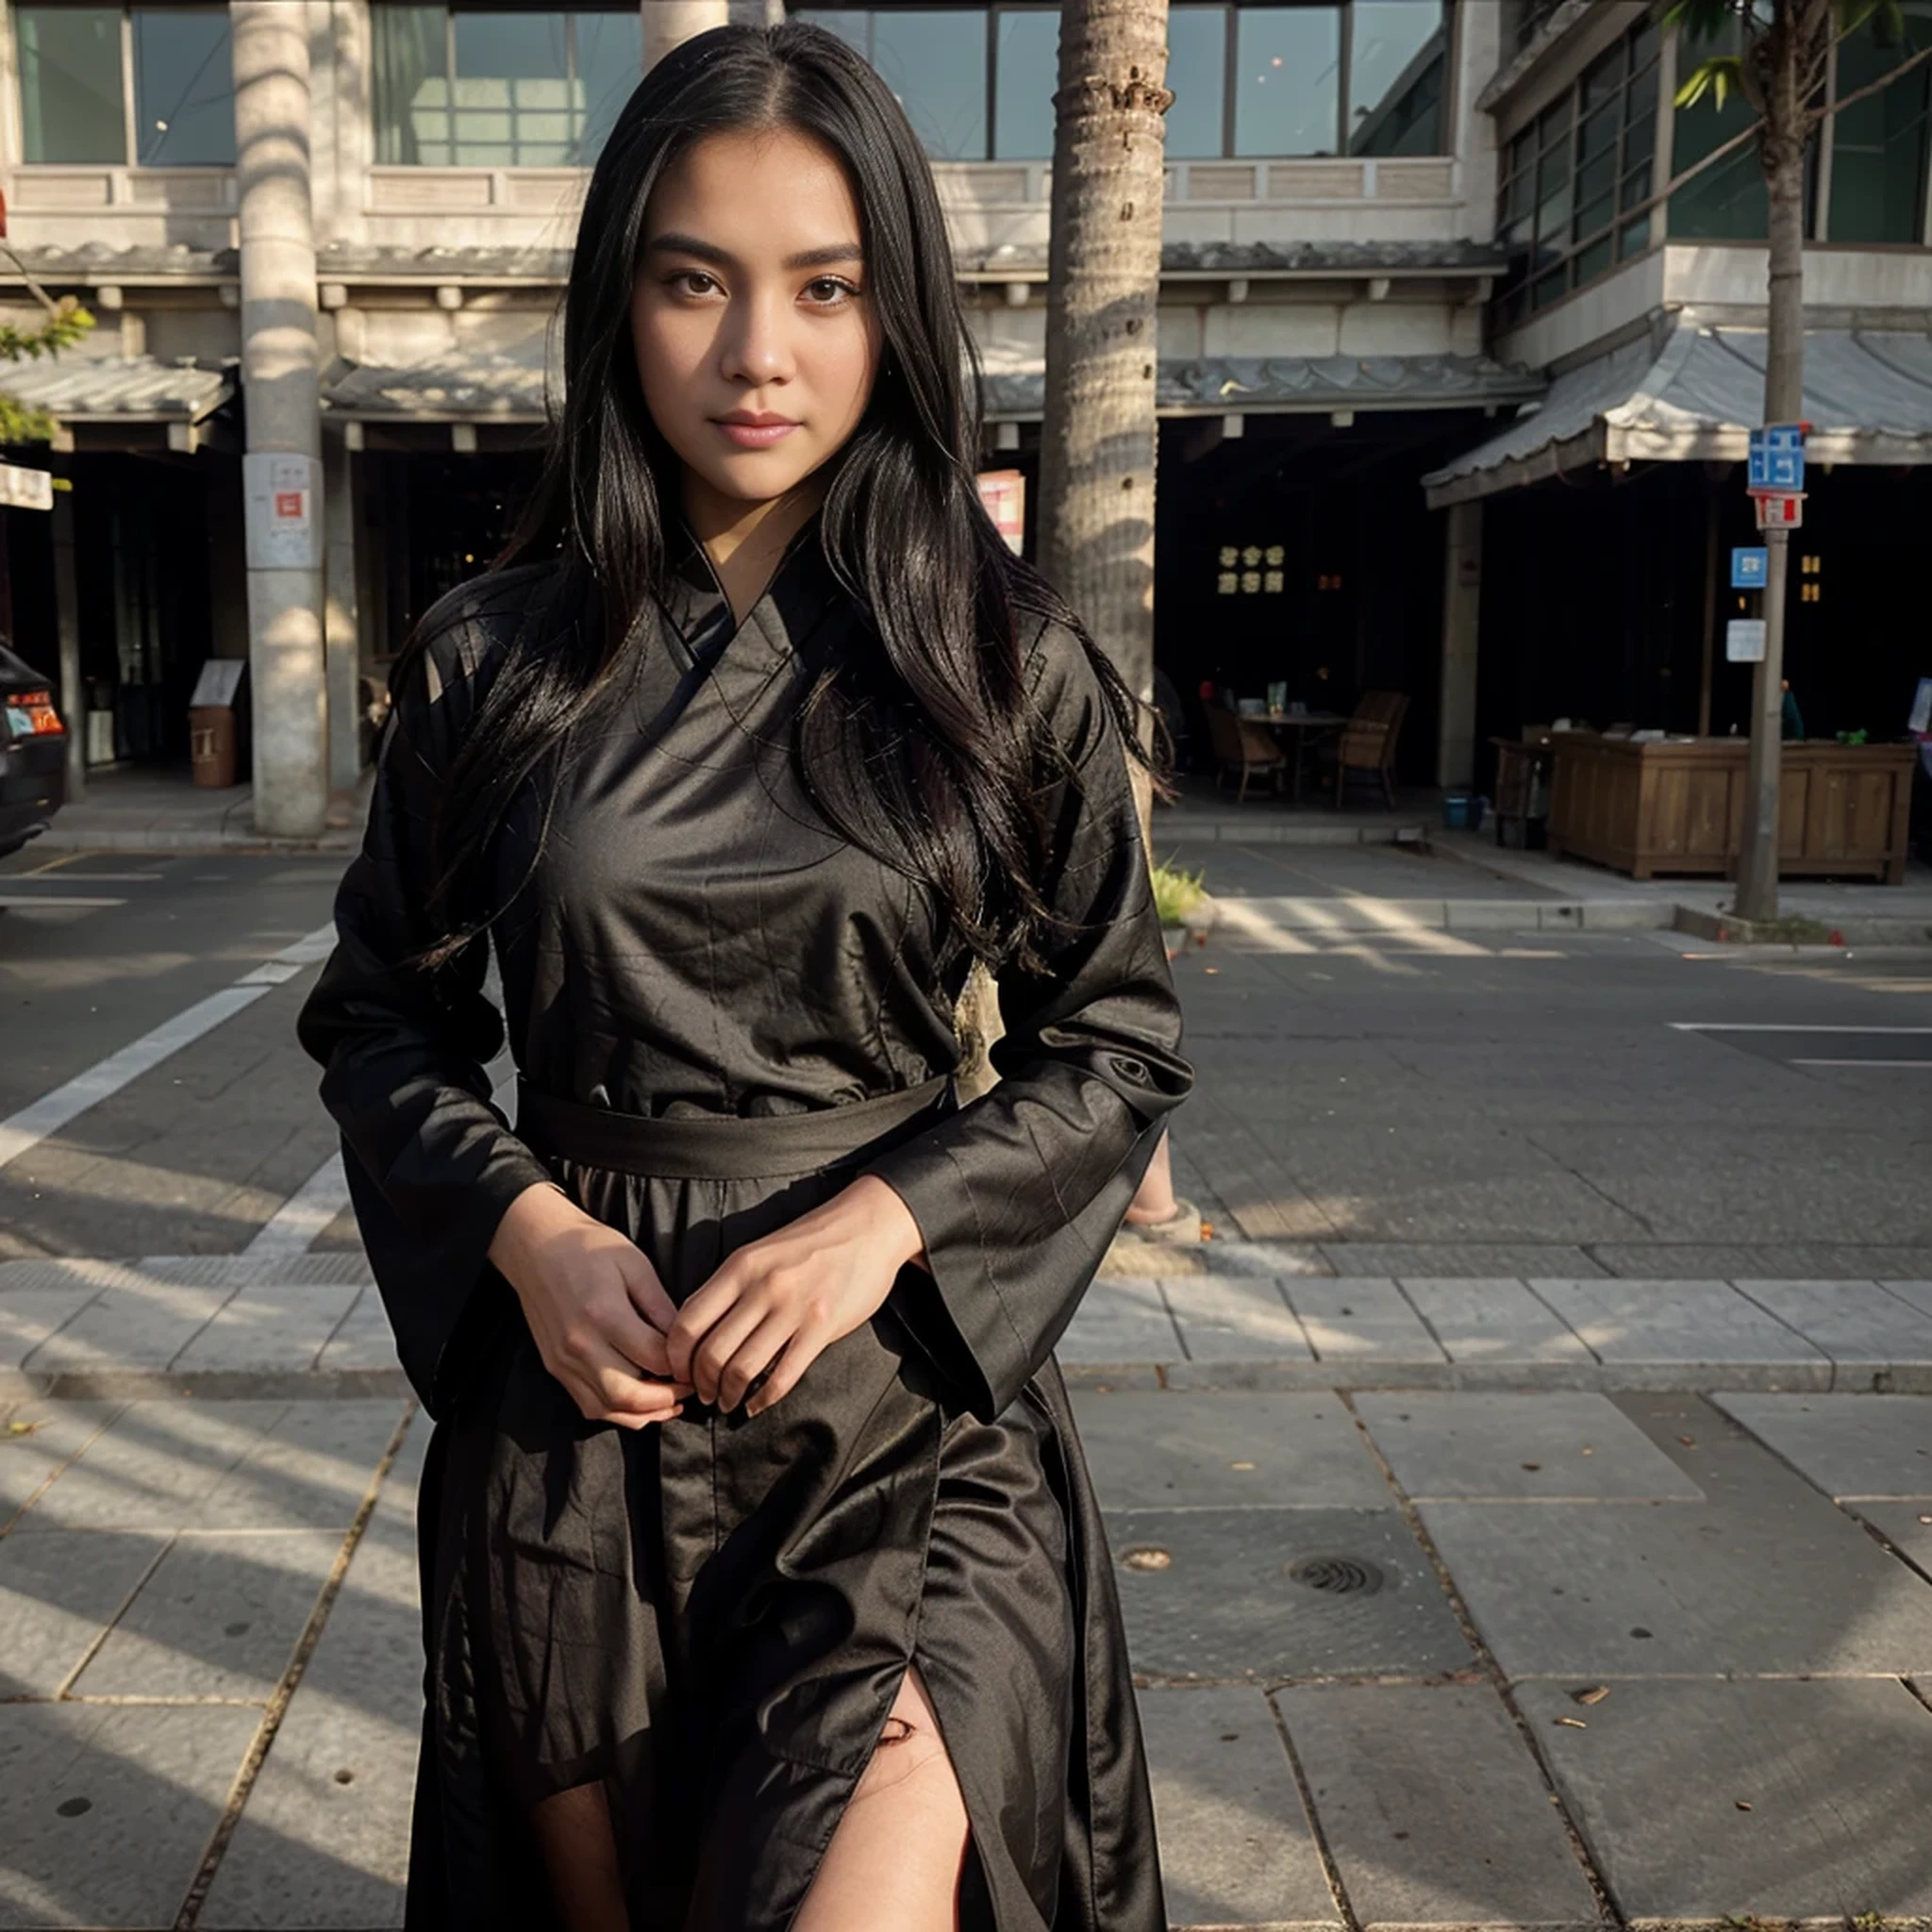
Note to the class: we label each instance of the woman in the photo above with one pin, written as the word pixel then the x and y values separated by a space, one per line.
pixel 763 1583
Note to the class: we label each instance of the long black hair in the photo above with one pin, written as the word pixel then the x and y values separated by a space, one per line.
pixel 930 756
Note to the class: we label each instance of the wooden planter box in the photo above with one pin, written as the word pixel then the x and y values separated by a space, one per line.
pixel 1663 807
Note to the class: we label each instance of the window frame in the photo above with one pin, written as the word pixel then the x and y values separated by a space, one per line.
pixel 1556 129
pixel 130 105
pixel 1445 146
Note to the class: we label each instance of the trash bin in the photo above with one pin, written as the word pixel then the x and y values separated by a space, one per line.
pixel 212 742
pixel 212 725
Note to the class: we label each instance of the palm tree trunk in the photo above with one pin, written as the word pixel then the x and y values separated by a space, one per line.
pixel 1097 443
pixel 1782 150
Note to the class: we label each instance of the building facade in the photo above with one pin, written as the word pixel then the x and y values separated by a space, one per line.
pixel 1391 228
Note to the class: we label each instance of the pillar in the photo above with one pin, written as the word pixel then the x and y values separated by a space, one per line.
pixel 67 644
pixel 282 466
pixel 668 23
pixel 1462 592
pixel 343 651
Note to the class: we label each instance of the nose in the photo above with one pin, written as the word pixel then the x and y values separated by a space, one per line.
pixel 754 345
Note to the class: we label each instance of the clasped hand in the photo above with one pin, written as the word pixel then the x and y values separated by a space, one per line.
pixel 607 1331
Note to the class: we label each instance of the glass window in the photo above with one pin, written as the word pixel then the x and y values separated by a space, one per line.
pixel 1197 73
pixel 934 61
pixel 1878 144
pixel 1398 50
pixel 470 88
pixel 70 84
pixel 1288 65
pixel 511 105
pixel 852 26
pixel 184 87
pixel 1027 55
pixel 1727 201
pixel 410 50
pixel 609 54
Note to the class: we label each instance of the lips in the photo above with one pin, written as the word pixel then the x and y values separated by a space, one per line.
pixel 749 431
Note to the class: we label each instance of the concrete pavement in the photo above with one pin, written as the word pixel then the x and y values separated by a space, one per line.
pixel 1520 1510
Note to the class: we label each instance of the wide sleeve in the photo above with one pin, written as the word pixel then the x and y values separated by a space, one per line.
pixel 431 1163
pixel 1018 1194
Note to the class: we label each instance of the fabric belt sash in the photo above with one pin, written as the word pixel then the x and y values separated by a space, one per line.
pixel 723 1147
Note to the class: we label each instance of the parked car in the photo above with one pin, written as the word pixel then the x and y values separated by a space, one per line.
pixel 33 753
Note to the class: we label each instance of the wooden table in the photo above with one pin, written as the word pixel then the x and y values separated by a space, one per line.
pixel 1299 723
pixel 1678 806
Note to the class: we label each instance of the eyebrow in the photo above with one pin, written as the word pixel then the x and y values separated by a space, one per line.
pixel 706 251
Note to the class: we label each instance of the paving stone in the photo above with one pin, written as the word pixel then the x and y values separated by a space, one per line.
pixel 104 1810
pixel 1432 1806
pixel 284 1327
pixel 1562 1589
pixel 58 1593
pixel 1235 1318
pixel 1632 1326
pixel 28 1316
pixel 1349 1319
pixel 1121 1322
pixel 314 1849
pixel 1908 1527
pixel 1227 1605
pixel 1267 1258
pixel 1832 1770
pixel 1872 1335
pixel 1484 1320
pixel 363 1339
pixel 155 1466
pixel 310 1469
pixel 1235 1845
pixel 1569 1446
pixel 1917 1293
pixel 143 1326
pixel 39 1440
pixel 1849 1445
pixel 1164 1451
pixel 219 1618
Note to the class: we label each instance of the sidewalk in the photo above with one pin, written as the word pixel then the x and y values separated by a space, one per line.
pixel 1631 1638
pixel 139 809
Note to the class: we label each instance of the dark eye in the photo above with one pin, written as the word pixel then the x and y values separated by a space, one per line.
pixel 827 291
pixel 686 277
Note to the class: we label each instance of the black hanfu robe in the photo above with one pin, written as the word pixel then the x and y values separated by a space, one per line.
pixel 712 1616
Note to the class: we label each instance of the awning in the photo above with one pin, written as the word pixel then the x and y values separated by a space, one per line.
pixel 493 388
pixel 1868 398
pixel 104 388
pixel 1248 384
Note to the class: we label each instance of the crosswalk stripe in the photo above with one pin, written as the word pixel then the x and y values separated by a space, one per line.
pixel 52 1111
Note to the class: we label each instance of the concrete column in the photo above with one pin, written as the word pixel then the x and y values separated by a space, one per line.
pixel 668 23
pixel 339 613
pixel 67 644
pixel 282 468
pixel 1462 592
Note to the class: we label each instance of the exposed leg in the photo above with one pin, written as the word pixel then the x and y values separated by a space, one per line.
pixel 573 1829
pixel 895 1860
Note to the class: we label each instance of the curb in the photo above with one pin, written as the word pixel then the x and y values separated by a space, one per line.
pixel 1803 932
pixel 213 1385
pixel 1495 1376
pixel 1240 832
pixel 1391 918
pixel 177 839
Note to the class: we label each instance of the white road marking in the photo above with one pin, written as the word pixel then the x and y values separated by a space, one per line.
pixel 299 1222
pixel 20 901
pixel 52 1111
pixel 1757 1027
pixel 1924 1066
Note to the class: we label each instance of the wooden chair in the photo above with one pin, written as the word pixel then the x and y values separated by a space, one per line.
pixel 1367 742
pixel 1241 744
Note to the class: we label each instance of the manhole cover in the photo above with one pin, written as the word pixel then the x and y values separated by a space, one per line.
pixel 1146 1556
pixel 1337 1576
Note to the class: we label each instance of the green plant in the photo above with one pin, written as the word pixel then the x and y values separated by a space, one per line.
pixel 1176 894
pixel 1859 737
pixel 65 325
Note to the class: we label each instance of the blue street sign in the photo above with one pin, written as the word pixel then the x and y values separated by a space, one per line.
pixel 1777 460
pixel 1749 569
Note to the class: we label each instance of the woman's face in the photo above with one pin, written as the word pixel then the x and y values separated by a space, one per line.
pixel 757 341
